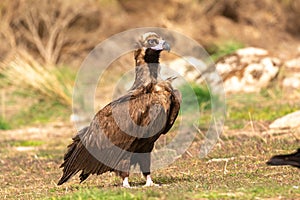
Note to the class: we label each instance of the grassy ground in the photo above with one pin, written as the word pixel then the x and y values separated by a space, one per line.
pixel 234 169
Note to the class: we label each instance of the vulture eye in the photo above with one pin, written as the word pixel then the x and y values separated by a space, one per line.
pixel 153 41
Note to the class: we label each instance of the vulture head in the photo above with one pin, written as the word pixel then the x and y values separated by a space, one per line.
pixel 149 47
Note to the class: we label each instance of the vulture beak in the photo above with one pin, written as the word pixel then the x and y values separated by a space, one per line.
pixel 162 45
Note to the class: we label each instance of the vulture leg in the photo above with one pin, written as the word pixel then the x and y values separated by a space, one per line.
pixel 125 180
pixel 144 160
pixel 124 174
pixel 149 182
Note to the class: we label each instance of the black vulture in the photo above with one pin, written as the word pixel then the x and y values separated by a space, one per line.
pixel 123 133
pixel 286 159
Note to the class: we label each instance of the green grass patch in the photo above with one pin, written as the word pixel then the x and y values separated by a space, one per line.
pixel 186 191
pixel 98 194
pixel 41 112
pixel 26 143
pixel 218 50
pixel 4 125
pixel 195 95
pixel 242 109
pixel 196 98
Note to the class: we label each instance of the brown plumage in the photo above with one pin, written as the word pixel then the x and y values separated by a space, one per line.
pixel 123 133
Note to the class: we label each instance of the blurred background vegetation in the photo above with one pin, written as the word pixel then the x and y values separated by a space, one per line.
pixel 44 43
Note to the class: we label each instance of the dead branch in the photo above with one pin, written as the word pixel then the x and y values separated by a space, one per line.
pixel 45 30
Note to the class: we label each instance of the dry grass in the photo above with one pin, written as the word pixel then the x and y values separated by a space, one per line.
pixel 45 30
pixel 48 84
pixel 234 169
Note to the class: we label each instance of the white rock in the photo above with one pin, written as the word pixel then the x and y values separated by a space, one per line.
pixel 252 51
pixel 25 148
pixel 294 63
pixel 291 82
pixel 292 74
pixel 246 70
pixel 291 120
pixel 191 69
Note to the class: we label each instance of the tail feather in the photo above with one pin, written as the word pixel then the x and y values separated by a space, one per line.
pixel 69 158
pixel 66 177
pixel 288 159
pixel 83 177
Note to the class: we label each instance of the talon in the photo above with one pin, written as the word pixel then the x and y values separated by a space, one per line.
pixel 126 183
pixel 149 182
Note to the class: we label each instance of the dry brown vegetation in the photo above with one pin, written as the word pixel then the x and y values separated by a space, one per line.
pixel 50 31
pixel 65 31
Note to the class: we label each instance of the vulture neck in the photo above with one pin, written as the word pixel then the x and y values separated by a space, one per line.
pixel 147 67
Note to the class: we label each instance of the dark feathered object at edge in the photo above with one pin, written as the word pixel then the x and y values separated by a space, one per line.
pixel 288 159
pixel 123 133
